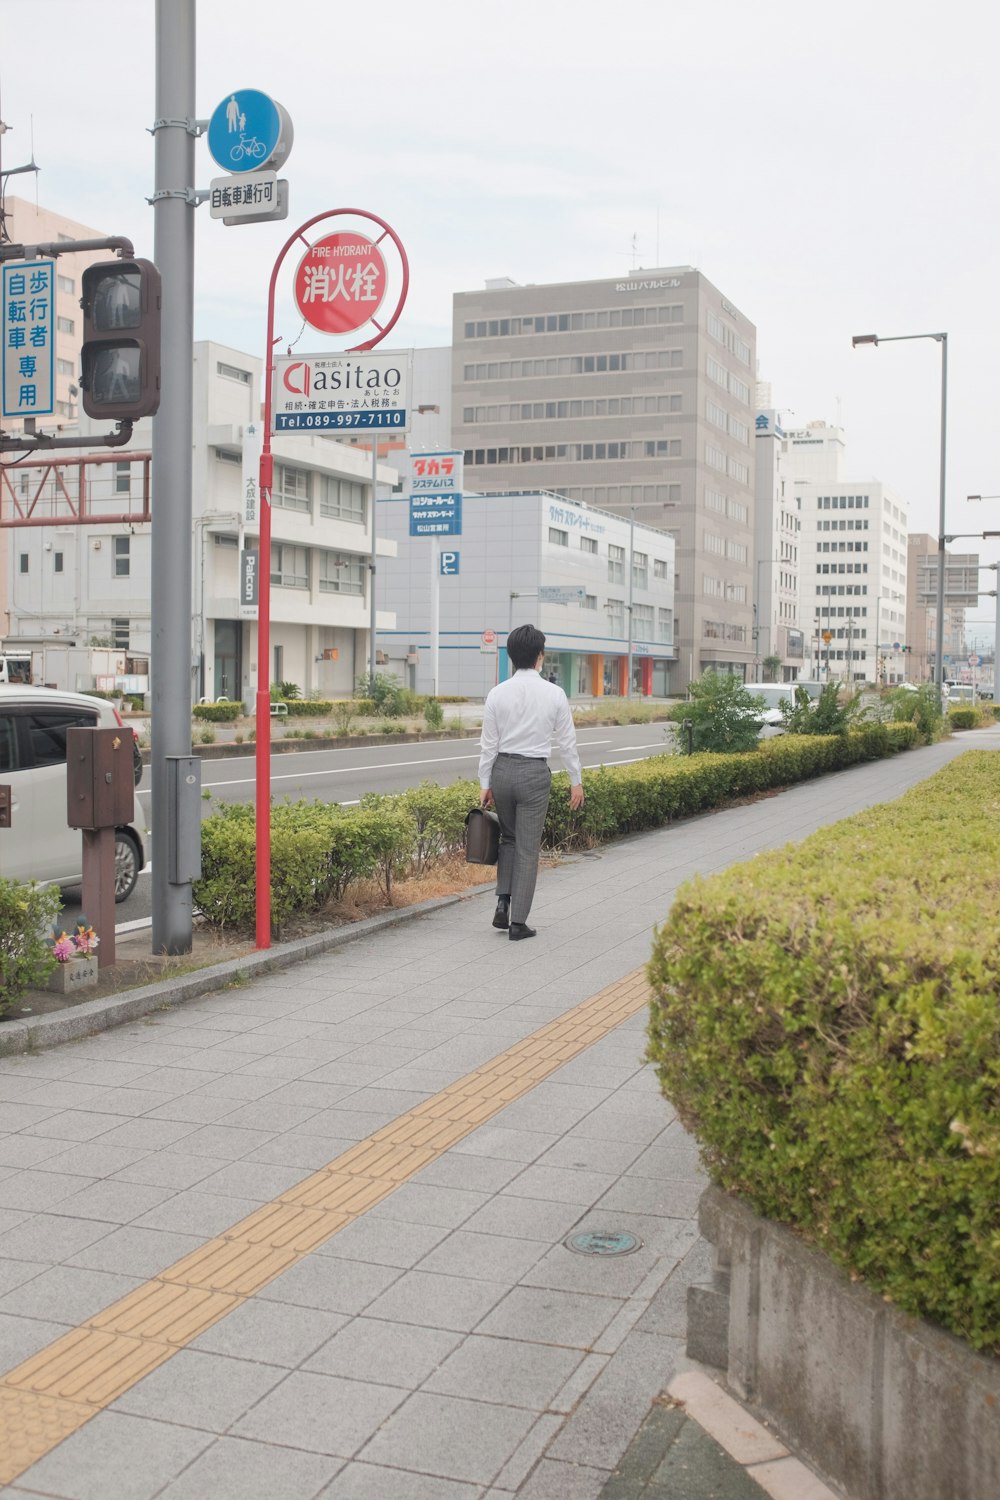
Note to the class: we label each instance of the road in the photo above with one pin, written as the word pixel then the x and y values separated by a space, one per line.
pixel 344 776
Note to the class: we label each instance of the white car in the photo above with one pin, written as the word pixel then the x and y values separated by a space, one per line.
pixel 40 845
pixel 770 696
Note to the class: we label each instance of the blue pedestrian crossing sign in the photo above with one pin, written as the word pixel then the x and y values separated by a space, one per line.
pixel 449 564
pixel 248 131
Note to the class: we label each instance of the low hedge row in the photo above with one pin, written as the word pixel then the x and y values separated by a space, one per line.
pixel 318 849
pixel 972 716
pixel 217 713
pixel 826 1020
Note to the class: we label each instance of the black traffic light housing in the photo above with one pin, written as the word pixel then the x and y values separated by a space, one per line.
pixel 120 358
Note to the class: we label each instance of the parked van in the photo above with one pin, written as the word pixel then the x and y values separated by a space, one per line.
pixel 15 668
pixel 40 845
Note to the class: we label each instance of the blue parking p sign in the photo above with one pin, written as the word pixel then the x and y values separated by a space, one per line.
pixel 449 564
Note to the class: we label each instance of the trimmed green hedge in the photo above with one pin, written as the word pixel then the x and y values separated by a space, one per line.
pixel 826 1020
pixel 971 716
pixel 218 713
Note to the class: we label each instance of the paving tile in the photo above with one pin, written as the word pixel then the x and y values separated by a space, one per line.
pixel 604 1422
pixel 226 1141
pixel 113 1202
pixel 197 1389
pixel 299 1149
pixel 249 1179
pixel 426 1204
pixel 480 1173
pixel 648 1195
pixel 387 1353
pixel 116 1455
pixel 266 1114
pixel 275 1333
pixel 584 1153
pixel 145 1134
pixel 194 1109
pixel 560 1184
pixel 505 1144
pixel 452 1302
pixel 74 1125
pixel 606 1275
pixel 35 1190
pixel 528 1452
pixel 383 1242
pixel 489 1257
pixel 320 1413
pixel 449 1437
pixel 15 1273
pixel 110 1072
pixel 361 1481
pixel 526 1218
pixel 129 1101
pixel 236 1469
pixel 506 1372
pixel 20 1338
pixel 67 1294
pixel 136 1252
pixel 194 1212
pixel 302 1093
pixel 342 1286
pixel 171 1169
pixel 22 1115
pixel 28 1150
pixel 724 1419
pixel 551 1317
pixel 51 1237
pixel 176 1081
pixel 552 1480
pixel 92 1159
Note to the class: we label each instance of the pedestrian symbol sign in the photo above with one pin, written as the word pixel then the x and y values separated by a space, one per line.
pixel 249 130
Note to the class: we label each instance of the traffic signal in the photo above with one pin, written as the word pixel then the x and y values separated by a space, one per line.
pixel 120 358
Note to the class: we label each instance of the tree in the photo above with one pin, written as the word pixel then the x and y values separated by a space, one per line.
pixel 823 715
pixel 725 716
pixel 772 666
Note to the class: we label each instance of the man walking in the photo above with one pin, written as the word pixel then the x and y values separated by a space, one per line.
pixel 524 717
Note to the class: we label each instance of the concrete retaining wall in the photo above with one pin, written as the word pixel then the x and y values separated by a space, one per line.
pixel 888 1407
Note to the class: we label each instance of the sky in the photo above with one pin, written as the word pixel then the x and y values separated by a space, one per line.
pixel 832 169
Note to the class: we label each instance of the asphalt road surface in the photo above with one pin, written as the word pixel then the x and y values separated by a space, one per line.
pixel 344 776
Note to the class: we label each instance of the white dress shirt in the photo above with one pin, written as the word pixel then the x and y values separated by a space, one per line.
pixel 527 716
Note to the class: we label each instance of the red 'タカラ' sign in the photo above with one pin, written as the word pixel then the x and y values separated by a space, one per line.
pixel 340 282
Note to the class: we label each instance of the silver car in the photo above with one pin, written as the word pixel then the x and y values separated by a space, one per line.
pixel 40 845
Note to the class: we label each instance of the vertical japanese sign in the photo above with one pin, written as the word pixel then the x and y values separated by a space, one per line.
pixel 249 583
pixel 436 494
pixel 253 438
pixel 28 339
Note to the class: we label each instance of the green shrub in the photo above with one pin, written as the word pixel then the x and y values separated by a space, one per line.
pixel 217 713
pixel 285 692
pixel 308 708
pixel 343 715
pixel 725 716
pixel 922 708
pixel 970 716
pixel 437 814
pixel 206 736
pixel 826 714
pixel 433 714
pixel 826 1020
pixel 26 913
pixel 386 693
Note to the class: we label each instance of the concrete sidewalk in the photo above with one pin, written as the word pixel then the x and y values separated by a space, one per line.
pixel 306 1237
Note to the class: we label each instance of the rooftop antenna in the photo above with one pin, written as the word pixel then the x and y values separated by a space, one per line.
pixel 657 234
pixel 6 172
pixel 635 251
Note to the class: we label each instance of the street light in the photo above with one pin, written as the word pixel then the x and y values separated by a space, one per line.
pixel 942 339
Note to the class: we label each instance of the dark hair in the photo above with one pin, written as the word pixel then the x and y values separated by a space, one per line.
pixel 525 645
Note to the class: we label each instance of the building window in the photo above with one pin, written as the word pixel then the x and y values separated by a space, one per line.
pixel 22 562
pixel 123 478
pixel 65 325
pixel 616 564
pixel 64 367
pixel 558 538
pixel 289 566
pixel 66 284
pixel 232 372
pixel 341 574
pixel 119 634
pixel 342 500
pixel 642 621
pixel 57 562
pixel 640 570
pixel 665 626
pixel 291 488
pixel 588 544
pixel 660 568
pixel 616 616
pixel 589 601
pixel 123 556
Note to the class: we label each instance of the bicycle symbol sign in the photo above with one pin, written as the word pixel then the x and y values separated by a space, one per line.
pixel 248 129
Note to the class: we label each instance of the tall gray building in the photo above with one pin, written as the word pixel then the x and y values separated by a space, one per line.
pixel 633 395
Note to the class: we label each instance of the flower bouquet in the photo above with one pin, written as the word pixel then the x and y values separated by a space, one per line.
pixel 76 957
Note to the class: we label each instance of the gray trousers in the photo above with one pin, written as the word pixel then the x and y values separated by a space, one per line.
pixel 520 790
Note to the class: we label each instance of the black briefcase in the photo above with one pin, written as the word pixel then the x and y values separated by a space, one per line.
pixel 482 836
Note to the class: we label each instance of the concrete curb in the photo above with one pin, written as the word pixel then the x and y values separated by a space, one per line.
pixel 117 1010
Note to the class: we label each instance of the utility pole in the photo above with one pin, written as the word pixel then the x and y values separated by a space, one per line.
pixel 174 202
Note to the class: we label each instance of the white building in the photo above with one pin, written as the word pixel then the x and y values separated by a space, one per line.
pixel 778 628
pixel 513 547
pixel 89 585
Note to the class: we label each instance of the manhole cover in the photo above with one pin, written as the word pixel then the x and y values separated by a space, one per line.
pixel 603 1242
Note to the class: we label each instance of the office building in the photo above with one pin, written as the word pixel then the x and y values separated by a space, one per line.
pixel 454 600
pixel 632 395
pixel 779 639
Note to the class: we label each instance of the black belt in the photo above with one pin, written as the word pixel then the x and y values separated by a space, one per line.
pixel 509 755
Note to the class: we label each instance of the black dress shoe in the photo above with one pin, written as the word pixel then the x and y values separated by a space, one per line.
pixel 501 917
pixel 519 930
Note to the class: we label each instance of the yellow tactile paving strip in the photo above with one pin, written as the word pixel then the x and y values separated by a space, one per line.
pixel 51 1395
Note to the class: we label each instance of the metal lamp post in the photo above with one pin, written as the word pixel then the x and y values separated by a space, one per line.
pixel 942 339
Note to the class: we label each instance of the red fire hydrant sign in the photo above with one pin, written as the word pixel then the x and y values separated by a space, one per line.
pixel 340 282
